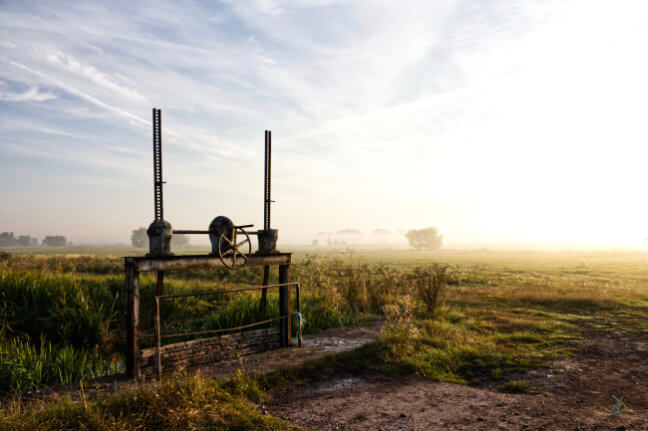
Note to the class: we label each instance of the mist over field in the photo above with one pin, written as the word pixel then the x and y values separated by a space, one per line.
pixel 451 231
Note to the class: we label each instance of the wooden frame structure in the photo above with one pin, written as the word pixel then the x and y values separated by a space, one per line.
pixel 136 265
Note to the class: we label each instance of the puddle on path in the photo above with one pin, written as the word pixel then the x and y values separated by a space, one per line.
pixel 336 385
pixel 334 344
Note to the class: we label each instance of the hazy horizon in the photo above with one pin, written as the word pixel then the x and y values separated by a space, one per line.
pixel 504 125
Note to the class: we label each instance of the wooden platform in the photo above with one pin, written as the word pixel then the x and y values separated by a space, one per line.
pixel 197 261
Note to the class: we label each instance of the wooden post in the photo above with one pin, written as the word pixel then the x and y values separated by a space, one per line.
pixel 159 289
pixel 264 293
pixel 158 358
pixel 132 320
pixel 160 283
pixel 284 305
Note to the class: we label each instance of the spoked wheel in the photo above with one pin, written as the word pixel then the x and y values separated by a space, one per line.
pixel 232 252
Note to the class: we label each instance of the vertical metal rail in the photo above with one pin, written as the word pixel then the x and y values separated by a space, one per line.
pixel 266 190
pixel 157 164
pixel 266 212
pixel 158 181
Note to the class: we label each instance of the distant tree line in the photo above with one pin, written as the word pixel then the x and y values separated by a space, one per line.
pixel 8 239
pixel 420 239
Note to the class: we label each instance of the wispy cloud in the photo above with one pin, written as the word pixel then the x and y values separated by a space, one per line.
pixel 74 66
pixel 31 95
pixel 80 93
pixel 384 114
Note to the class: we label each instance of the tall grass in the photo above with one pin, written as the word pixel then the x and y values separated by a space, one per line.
pixel 60 310
pixel 52 303
pixel 25 367
pixel 63 309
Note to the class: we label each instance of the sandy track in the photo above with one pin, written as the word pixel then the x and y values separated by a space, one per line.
pixel 575 395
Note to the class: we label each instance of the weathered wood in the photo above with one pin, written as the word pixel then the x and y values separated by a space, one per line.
pixel 228 347
pixel 132 320
pixel 160 283
pixel 158 359
pixel 216 331
pixel 169 263
pixel 223 291
pixel 264 293
pixel 284 304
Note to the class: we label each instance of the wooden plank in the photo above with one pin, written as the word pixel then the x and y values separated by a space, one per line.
pixel 158 360
pixel 169 263
pixel 132 320
pixel 284 304
pixel 223 291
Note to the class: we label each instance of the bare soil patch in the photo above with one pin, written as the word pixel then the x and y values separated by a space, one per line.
pixel 575 394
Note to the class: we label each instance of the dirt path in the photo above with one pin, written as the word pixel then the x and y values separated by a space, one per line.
pixel 577 394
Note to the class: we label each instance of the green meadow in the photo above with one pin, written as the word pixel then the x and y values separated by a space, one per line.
pixel 468 317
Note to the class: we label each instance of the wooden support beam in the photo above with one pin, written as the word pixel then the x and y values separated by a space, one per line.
pixel 170 263
pixel 285 308
pixel 264 293
pixel 132 289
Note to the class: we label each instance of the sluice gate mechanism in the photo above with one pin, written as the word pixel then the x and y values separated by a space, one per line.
pixel 231 247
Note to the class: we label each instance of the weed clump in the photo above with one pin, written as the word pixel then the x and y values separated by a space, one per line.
pixel 431 286
pixel 516 386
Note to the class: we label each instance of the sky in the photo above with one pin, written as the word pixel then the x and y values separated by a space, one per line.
pixel 502 123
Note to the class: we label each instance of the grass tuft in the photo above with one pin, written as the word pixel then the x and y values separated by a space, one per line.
pixel 516 386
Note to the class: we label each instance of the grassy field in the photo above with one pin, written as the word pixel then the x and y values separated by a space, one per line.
pixel 497 313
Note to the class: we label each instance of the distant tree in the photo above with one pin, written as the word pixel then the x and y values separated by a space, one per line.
pixel 139 238
pixel 7 239
pixel 179 241
pixel 55 241
pixel 424 239
pixel 34 242
pixel 315 243
pixel 24 241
